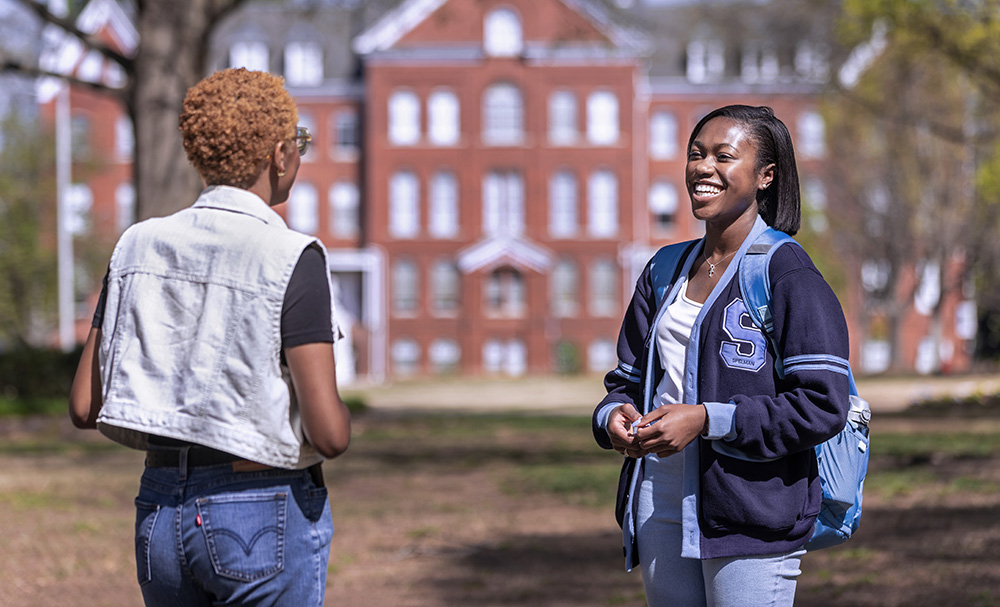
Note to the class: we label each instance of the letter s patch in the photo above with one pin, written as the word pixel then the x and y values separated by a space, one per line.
pixel 748 348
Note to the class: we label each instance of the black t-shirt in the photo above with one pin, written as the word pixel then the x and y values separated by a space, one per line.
pixel 305 313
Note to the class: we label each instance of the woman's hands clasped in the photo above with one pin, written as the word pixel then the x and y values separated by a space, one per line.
pixel 664 431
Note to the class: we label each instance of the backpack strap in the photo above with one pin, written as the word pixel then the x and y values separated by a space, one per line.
pixel 666 265
pixel 755 284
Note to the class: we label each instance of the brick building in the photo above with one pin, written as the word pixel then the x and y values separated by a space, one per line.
pixel 490 176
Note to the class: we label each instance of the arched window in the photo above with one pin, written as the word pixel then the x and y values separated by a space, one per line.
pixel 503 115
pixel 563 207
pixel 445 293
pixel 124 206
pixel 706 59
pixel 663 204
pixel 251 54
pixel 404 118
pixel 603 296
pixel 505 356
pixel 80 201
pixel 444 355
pixel 444 205
pixel 124 138
pixel 405 357
pixel 663 135
pixel 345 221
pixel 303 63
pixel 443 118
pixel 602 356
pixel 344 134
pixel 503 203
pixel 602 204
pixel 562 118
pixel 812 135
pixel 502 33
pixel 602 118
pixel 303 208
pixel 505 293
pixel 565 289
pixel 405 285
pixel 404 205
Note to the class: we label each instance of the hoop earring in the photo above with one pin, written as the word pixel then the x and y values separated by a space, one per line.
pixel 281 173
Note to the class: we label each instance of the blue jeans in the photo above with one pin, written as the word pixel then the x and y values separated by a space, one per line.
pixel 212 536
pixel 671 580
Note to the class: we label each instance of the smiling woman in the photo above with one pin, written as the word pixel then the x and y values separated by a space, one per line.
pixel 719 491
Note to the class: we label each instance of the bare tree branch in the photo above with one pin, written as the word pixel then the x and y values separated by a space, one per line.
pixel 70 27
pixel 8 64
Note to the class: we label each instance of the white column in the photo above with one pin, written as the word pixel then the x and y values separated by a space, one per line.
pixel 64 238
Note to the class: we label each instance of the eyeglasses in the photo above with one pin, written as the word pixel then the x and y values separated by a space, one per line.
pixel 302 139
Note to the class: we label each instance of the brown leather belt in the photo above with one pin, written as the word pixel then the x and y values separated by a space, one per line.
pixel 159 456
pixel 170 457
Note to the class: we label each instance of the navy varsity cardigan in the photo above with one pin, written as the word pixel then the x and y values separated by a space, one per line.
pixel 750 484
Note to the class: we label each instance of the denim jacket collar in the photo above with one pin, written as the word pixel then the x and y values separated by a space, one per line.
pixel 236 200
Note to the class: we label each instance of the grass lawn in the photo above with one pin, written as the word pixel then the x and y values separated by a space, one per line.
pixel 460 509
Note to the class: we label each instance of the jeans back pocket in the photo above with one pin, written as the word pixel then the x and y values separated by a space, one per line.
pixel 145 519
pixel 245 533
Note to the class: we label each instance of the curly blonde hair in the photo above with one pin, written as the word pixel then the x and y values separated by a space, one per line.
pixel 231 121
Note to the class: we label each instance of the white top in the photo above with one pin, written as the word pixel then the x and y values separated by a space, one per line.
pixel 672 336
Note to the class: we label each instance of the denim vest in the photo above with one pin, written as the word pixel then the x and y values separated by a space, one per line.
pixel 191 337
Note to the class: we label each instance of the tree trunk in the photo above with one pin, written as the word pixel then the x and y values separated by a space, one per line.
pixel 170 59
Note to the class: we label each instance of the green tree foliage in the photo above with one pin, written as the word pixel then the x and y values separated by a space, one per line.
pixel 913 144
pixel 27 209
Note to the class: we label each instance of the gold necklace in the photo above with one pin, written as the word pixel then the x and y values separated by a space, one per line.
pixel 711 266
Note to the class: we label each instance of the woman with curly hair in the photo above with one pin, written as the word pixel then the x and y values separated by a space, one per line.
pixel 211 349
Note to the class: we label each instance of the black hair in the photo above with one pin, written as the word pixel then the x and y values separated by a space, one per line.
pixel 780 203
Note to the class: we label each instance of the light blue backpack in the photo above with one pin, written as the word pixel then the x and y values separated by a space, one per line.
pixel 843 460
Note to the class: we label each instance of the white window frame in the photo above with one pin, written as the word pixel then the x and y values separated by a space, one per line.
pixel 124 138
pixel 404 205
pixel 303 63
pixel 663 133
pixel 505 293
pixel 564 289
pixel 812 135
pixel 444 208
pixel 404 118
pixel 706 60
pixel 345 133
pixel 563 128
pixel 602 355
pixel 443 118
pixel 503 203
pixel 405 295
pixel 663 201
pixel 503 115
pixel 303 208
pixel 405 354
pixel 602 296
pixel 124 206
pixel 564 205
pixel 502 33
pixel 444 356
pixel 251 54
pixel 602 118
pixel 345 208
pixel 445 288
pixel 602 204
